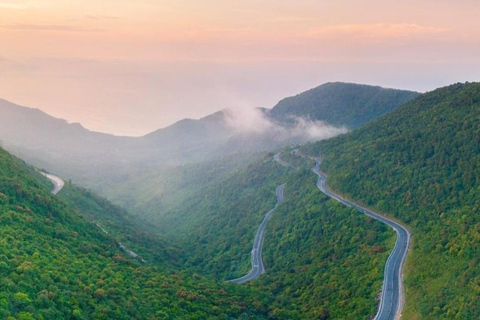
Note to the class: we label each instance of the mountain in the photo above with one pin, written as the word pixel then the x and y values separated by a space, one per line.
pixel 421 164
pixel 323 260
pixel 149 175
pixel 73 151
pixel 56 145
pixel 341 104
pixel 57 265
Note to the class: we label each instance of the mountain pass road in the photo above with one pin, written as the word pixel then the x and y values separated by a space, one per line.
pixel 257 262
pixel 58 183
pixel 392 296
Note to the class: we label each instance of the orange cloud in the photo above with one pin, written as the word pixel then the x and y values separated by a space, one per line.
pixel 61 28
pixel 15 6
pixel 377 31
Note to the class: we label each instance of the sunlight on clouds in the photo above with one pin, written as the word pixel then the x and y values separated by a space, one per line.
pixel 169 58
pixel 15 4
pixel 376 31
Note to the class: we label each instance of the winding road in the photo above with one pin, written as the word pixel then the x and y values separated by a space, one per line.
pixel 58 183
pixel 392 296
pixel 257 262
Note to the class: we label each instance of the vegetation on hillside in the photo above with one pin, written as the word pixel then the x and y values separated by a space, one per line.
pixel 421 164
pixel 125 228
pixel 56 265
pixel 341 104
pixel 216 226
pixel 151 191
pixel 324 260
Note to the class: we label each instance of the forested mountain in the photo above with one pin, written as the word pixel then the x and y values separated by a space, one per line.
pixel 57 265
pixel 210 210
pixel 217 224
pixel 324 260
pixel 341 104
pixel 421 164
pixel 150 174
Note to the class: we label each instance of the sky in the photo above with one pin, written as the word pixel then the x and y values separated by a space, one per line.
pixel 130 67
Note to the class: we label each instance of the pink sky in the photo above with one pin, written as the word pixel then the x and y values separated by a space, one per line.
pixel 130 67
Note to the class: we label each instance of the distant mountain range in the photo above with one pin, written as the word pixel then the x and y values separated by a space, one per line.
pixel 75 152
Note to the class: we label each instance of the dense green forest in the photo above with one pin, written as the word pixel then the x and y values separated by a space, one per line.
pixel 324 260
pixel 341 104
pixel 56 265
pixel 150 191
pixel 313 245
pixel 421 164
pixel 125 228
pixel 216 226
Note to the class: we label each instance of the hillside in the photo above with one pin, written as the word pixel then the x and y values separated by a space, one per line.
pixel 421 164
pixel 323 260
pixel 217 224
pixel 56 265
pixel 341 104
pixel 148 175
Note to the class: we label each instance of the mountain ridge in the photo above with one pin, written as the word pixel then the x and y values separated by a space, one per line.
pixel 420 163
pixel 332 101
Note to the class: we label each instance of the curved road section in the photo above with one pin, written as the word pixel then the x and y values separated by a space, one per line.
pixel 58 183
pixel 392 297
pixel 257 262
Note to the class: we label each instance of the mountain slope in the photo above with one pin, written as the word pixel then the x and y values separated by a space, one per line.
pixel 72 150
pixel 323 260
pixel 56 265
pixel 421 163
pixel 341 104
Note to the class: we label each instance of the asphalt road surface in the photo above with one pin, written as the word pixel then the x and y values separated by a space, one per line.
pixel 392 296
pixel 58 183
pixel 257 262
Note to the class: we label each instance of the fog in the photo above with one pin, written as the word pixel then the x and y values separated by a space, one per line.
pixel 249 121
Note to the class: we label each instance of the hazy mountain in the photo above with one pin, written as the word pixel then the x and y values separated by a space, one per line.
pixel 421 164
pixel 78 153
pixel 341 104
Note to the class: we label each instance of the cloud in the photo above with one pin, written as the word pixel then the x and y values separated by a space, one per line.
pixel 15 6
pixel 375 31
pixel 60 28
pixel 102 17
pixel 250 121
pixel 315 130
pixel 247 120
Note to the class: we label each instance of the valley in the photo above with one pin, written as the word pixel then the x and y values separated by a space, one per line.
pixel 239 160
pixel 191 224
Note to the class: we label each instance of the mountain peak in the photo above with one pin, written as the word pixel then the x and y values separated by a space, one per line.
pixel 340 103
